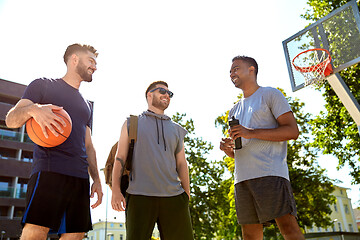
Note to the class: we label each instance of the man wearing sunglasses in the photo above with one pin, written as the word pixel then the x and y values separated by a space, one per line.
pixel 159 188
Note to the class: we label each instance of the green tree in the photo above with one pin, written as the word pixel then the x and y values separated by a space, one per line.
pixel 207 188
pixel 335 131
pixel 311 187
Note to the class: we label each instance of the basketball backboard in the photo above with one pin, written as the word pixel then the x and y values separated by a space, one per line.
pixel 338 32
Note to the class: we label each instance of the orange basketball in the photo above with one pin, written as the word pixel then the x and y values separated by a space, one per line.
pixel 36 135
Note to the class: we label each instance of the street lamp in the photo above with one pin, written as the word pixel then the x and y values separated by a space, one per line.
pixel 106 207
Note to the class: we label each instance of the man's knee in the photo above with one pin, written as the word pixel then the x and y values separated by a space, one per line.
pixel 72 236
pixel 34 232
pixel 289 227
pixel 252 231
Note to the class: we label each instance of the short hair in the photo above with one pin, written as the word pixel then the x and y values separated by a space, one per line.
pixel 74 48
pixel 153 85
pixel 249 60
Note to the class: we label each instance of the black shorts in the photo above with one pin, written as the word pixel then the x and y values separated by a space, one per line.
pixel 261 200
pixel 58 202
pixel 171 214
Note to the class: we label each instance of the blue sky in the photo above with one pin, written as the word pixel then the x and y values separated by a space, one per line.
pixel 188 44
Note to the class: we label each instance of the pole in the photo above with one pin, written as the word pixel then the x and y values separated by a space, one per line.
pixel 106 212
pixel 346 97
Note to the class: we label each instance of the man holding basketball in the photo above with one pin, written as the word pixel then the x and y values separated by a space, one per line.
pixel 57 199
pixel 262 186
pixel 159 188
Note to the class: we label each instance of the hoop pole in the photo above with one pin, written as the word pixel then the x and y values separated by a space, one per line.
pixel 346 97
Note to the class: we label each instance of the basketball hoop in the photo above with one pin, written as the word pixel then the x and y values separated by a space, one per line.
pixel 314 65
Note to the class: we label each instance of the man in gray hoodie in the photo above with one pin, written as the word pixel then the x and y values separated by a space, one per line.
pixel 159 187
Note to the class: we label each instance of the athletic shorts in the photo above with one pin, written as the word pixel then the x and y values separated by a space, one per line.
pixel 171 214
pixel 261 200
pixel 58 202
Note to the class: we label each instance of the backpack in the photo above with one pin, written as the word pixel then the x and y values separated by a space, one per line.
pixel 128 164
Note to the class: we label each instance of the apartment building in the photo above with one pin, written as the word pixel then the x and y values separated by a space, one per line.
pixel 15 164
pixel 111 230
pixel 343 218
pixel 107 230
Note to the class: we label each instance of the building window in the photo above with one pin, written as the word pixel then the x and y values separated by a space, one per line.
pixel 4 211
pixel 21 188
pixel 335 207
pixel 339 225
pixel 18 212
pixel 346 208
pixel 6 188
pixel 121 225
pixel 351 229
pixel 121 237
pixel 341 192
pixel 111 225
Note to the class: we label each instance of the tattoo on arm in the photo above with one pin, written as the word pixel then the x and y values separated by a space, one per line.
pixel 121 161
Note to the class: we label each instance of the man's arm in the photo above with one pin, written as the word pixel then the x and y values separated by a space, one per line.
pixel 93 169
pixel 117 200
pixel 43 115
pixel 286 130
pixel 183 170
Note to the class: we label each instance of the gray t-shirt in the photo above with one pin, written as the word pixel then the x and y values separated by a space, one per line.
pixel 259 158
pixel 154 165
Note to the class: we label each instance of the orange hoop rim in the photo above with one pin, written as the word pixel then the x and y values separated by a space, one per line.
pixel 321 65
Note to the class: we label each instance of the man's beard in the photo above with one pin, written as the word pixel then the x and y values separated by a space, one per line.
pixel 156 102
pixel 82 71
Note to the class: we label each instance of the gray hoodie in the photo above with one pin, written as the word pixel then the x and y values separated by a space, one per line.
pixel 154 165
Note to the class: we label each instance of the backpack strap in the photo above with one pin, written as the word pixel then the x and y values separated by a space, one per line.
pixel 132 139
pixel 133 128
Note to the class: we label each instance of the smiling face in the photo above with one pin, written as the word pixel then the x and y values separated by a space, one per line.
pixel 86 66
pixel 241 73
pixel 158 100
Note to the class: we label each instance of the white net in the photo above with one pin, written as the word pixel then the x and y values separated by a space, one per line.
pixel 314 65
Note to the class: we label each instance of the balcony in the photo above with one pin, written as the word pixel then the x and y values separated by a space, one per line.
pixel 13 136
pixel 8 192
pixel 11 167
pixel 28 160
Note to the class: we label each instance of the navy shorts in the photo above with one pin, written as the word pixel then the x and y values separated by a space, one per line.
pixel 58 202
pixel 261 200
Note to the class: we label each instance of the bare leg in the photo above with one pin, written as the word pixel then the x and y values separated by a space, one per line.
pixel 72 236
pixel 289 227
pixel 252 231
pixel 34 232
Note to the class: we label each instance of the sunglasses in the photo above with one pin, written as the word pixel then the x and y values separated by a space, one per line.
pixel 163 91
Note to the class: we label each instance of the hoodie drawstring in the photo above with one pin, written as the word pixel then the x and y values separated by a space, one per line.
pixel 157 130
pixel 162 130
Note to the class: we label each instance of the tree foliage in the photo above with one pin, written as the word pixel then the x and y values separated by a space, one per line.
pixel 335 131
pixel 311 187
pixel 208 191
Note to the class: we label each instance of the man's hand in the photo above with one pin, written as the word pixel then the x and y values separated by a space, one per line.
pixel 240 131
pixel 118 202
pixel 96 188
pixel 227 145
pixel 46 118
